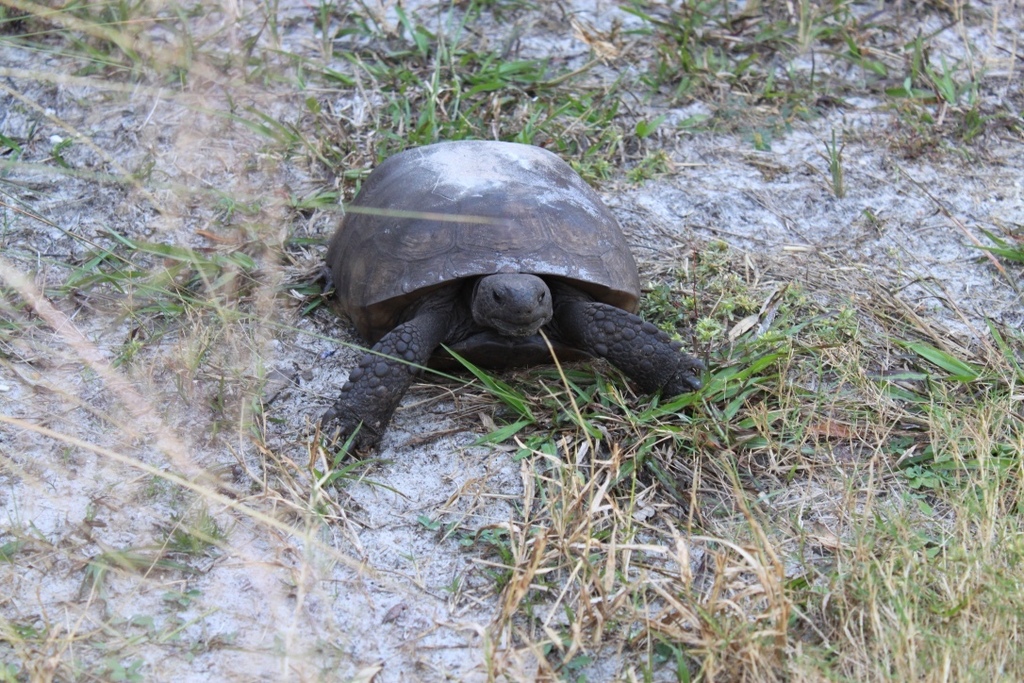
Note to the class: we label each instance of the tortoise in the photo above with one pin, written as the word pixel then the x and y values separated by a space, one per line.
pixel 480 246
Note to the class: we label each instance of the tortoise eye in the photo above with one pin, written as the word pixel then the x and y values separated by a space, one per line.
pixel 497 297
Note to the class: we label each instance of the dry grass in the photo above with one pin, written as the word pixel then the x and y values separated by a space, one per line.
pixel 842 501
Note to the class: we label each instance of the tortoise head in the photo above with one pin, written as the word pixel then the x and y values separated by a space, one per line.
pixel 514 304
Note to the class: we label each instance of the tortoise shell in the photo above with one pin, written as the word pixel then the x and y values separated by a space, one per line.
pixel 433 215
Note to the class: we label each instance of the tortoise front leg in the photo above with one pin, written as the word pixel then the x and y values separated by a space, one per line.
pixel 376 386
pixel 638 348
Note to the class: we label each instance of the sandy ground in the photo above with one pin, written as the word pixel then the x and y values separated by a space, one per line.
pixel 377 591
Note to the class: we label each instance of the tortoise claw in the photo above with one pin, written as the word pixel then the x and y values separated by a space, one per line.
pixel 348 429
pixel 686 378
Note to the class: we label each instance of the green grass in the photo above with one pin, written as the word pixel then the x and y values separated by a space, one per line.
pixel 841 501
pixel 896 566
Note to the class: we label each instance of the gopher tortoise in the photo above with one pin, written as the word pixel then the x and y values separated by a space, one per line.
pixel 480 246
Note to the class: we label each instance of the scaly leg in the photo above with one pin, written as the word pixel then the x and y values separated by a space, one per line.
pixel 376 386
pixel 638 348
